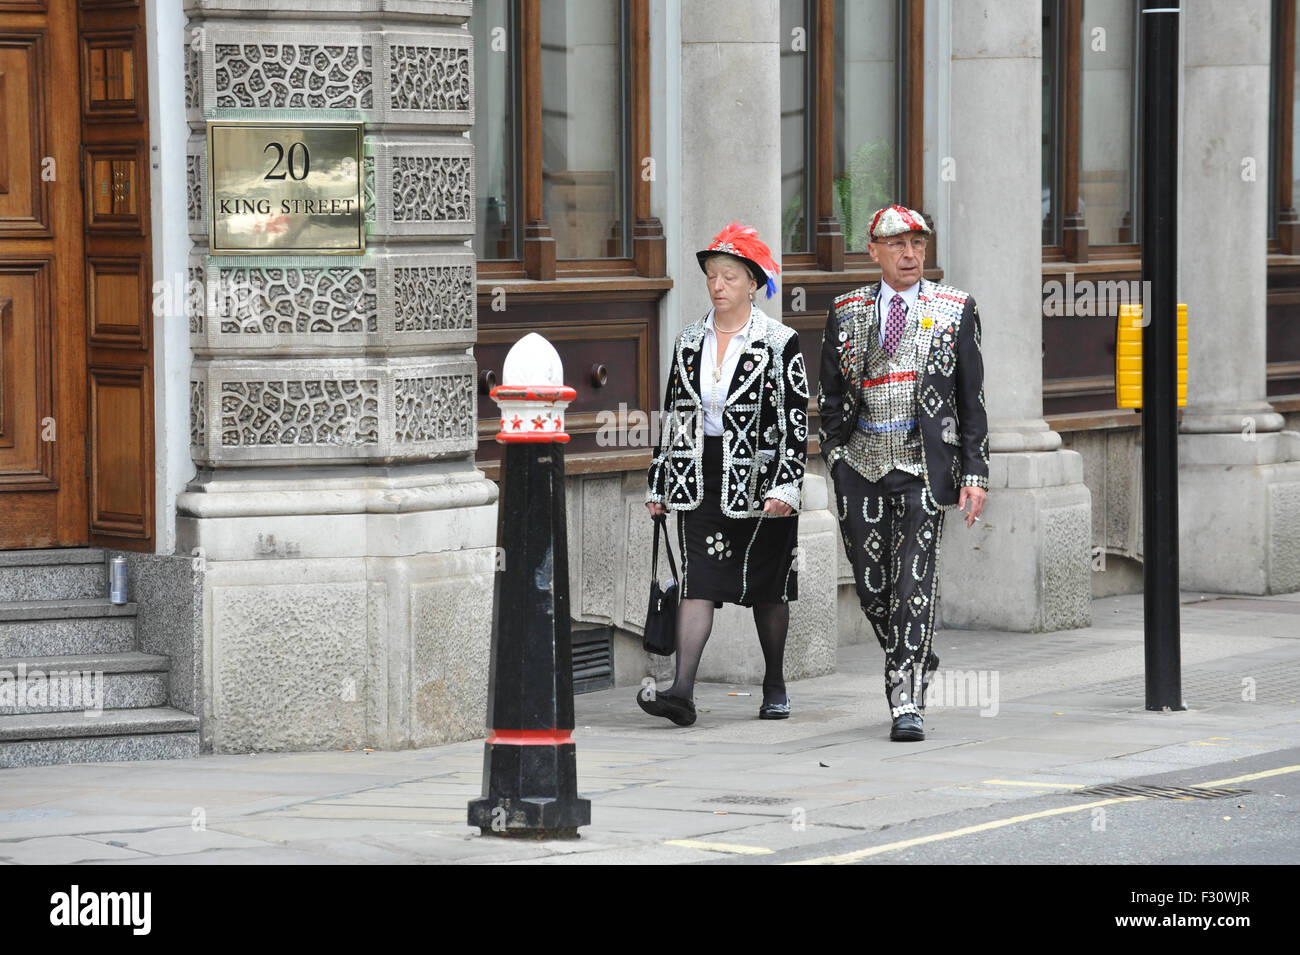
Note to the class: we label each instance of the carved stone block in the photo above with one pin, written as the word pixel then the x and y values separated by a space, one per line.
pixel 332 410
pixel 332 304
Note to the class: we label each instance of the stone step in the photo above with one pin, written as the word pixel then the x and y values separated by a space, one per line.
pixel 73 573
pixel 79 682
pixel 35 628
pixel 45 739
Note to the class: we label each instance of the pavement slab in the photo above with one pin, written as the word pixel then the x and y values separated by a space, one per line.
pixel 1068 712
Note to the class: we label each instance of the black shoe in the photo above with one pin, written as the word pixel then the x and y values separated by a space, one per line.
pixel 680 711
pixel 775 711
pixel 907 728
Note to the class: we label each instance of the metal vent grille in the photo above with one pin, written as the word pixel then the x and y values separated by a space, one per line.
pixel 747 800
pixel 593 659
pixel 1160 792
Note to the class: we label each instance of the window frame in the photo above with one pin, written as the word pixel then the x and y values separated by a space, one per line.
pixel 827 240
pixel 1284 223
pixel 534 243
pixel 1076 246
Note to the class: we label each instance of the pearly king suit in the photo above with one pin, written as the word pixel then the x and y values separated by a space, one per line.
pixel 875 410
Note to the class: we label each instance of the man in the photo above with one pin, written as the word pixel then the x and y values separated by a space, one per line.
pixel 905 437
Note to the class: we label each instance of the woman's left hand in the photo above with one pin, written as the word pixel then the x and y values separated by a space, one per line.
pixel 777 508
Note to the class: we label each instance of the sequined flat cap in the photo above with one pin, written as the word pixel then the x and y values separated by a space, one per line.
pixel 897 220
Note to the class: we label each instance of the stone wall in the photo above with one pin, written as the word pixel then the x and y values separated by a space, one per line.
pixel 610 542
pixel 347 537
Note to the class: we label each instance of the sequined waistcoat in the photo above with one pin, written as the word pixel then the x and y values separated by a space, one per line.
pixel 887 435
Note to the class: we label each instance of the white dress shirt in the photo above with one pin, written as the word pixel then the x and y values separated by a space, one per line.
pixel 715 382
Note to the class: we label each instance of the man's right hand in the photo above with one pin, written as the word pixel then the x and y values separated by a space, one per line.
pixel 655 508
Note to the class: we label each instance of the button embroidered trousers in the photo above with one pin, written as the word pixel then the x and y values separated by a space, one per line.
pixel 892 530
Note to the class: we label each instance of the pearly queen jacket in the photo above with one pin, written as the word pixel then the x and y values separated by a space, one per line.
pixel 949 390
pixel 764 424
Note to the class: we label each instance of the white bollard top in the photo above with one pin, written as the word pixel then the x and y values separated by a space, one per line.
pixel 532 361
pixel 532 395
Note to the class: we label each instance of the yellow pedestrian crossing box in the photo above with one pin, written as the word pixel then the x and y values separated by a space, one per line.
pixel 1128 357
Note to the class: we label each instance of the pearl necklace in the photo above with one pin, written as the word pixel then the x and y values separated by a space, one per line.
pixel 717 367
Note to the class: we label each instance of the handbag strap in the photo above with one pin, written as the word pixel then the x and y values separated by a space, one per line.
pixel 661 524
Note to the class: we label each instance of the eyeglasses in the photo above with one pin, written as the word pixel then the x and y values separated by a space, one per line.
pixel 897 246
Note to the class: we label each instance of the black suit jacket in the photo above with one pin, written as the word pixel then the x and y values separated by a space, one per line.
pixel 950 383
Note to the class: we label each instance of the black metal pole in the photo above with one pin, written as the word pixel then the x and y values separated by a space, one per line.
pixel 1159 354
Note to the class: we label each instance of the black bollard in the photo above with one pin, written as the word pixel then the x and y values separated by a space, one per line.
pixel 530 769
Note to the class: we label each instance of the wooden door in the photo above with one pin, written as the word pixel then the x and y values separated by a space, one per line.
pixel 76 396
pixel 42 307
pixel 118 320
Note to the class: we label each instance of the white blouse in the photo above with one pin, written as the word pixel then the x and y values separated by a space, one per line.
pixel 715 382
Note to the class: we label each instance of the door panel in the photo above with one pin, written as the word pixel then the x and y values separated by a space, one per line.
pixel 22 104
pixel 42 277
pixel 25 387
pixel 115 136
pixel 119 408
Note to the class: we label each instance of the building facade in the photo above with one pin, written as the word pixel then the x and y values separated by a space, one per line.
pixel 293 448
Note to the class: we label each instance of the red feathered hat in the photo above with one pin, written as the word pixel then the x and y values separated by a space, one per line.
pixel 743 242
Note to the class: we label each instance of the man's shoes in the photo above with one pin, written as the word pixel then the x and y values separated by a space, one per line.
pixel 907 728
pixel 775 711
pixel 680 711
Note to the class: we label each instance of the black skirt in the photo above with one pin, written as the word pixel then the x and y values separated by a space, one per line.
pixel 742 561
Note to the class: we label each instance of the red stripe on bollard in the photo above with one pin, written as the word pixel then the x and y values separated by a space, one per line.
pixel 532 737
pixel 551 437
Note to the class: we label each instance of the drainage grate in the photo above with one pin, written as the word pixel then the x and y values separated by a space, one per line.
pixel 1160 792
pixel 593 659
pixel 749 800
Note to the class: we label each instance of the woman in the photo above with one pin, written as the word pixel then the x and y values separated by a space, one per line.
pixel 730 462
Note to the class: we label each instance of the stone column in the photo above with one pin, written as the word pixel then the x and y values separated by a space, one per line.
pixel 1026 565
pixel 1239 471
pixel 348 537
pixel 731 148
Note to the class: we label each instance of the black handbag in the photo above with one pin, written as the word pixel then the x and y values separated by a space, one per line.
pixel 661 617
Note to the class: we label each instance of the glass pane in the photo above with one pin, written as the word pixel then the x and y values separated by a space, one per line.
pixel 796 37
pixel 864 164
pixel 582 124
pixel 1052 158
pixel 1107 162
pixel 493 130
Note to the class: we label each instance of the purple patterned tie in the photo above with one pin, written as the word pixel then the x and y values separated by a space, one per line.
pixel 895 322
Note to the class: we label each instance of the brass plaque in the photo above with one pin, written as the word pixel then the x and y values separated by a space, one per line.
pixel 290 189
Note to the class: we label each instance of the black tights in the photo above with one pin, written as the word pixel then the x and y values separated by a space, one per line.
pixel 695 623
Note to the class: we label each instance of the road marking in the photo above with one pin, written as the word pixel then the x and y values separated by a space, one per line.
pixel 1023 782
pixel 720 847
pixel 850 857
pixel 1242 779
pixel 860 854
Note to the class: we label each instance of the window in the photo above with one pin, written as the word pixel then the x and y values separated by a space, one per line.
pixel 561 110
pixel 850 71
pixel 561 126
pixel 1283 223
pixel 493 135
pixel 1091 92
